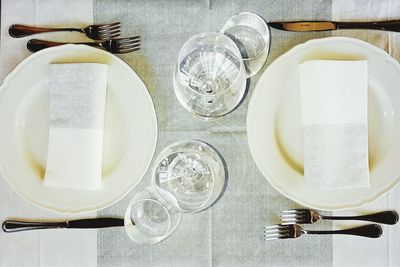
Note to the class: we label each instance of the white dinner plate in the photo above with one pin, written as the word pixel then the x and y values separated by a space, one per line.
pixel 130 132
pixel 275 131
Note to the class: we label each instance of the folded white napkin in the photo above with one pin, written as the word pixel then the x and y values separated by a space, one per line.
pixel 334 99
pixel 77 94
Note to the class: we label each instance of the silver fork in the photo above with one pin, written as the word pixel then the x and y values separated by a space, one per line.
pixel 95 32
pixel 115 46
pixel 306 216
pixel 280 231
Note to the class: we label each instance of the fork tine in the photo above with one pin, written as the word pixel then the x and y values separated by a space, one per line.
pixel 288 215
pixel 267 234
pixel 272 227
pixel 127 40
pixel 289 211
pixel 104 26
pixel 123 51
pixel 294 211
pixel 291 215
pixel 270 238
pixel 276 235
pixel 295 216
pixel 279 231
pixel 292 218
pixel 110 33
pixel 127 46
pixel 109 29
pixel 290 221
pixel 108 37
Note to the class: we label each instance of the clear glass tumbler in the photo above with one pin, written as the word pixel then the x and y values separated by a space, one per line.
pixel 210 77
pixel 147 220
pixel 189 175
pixel 252 36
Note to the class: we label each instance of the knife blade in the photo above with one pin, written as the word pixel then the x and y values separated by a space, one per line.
pixel 17 226
pixel 307 26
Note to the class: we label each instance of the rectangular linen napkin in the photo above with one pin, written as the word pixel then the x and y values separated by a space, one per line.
pixel 77 93
pixel 334 99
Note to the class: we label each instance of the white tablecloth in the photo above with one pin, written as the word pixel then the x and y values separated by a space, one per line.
pixel 230 233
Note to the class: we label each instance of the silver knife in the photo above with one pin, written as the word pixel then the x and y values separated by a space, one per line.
pixel 307 26
pixel 10 226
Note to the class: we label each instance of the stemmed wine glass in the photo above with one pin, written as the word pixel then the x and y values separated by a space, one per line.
pixel 210 76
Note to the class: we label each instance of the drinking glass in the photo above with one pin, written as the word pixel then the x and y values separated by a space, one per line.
pixel 147 220
pixel 210 77
pixel 189 175
pixel 252 36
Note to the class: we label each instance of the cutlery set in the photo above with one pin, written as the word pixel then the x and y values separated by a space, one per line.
pixel 290 228
pixel 104 36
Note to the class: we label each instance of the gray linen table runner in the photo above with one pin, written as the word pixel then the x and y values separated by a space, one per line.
pixel 229 233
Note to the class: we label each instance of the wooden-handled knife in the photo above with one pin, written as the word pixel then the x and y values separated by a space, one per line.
pixel 306 26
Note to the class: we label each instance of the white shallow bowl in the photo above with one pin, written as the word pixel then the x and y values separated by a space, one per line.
pixel 130 132
pixel 275 132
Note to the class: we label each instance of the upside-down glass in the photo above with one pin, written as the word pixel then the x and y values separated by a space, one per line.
pixel 252 36
pixel 189 175
pixel 147 220
pixel 210 77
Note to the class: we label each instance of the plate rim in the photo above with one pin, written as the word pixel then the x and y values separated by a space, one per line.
pixel 251 142
pixel 77 211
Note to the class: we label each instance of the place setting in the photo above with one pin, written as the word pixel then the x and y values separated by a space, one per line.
pixel 80 128
pixel 188 176
pixel 82 99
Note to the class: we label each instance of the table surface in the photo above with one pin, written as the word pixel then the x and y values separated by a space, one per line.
pixel 229 233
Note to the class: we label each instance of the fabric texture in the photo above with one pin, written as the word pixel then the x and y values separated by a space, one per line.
pixel 230 233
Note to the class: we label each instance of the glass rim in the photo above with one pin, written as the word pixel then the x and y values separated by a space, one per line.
pixel 205 34
pixel 158 160
pixel 263 22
